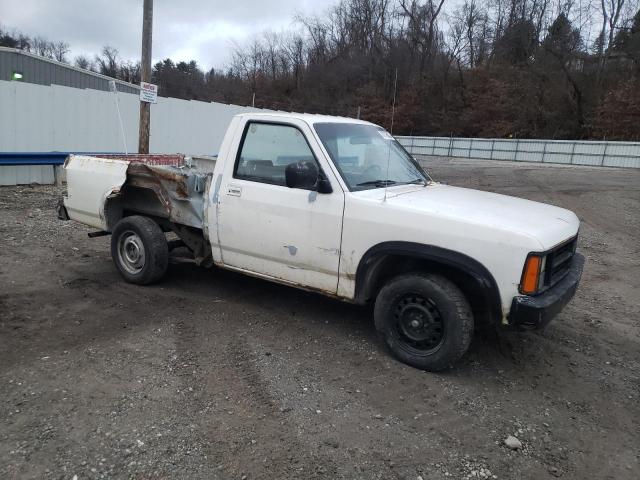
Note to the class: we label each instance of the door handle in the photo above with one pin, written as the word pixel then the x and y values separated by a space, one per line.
pixel 234 191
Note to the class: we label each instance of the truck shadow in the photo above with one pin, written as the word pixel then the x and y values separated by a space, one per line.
pixel 94 303
pixel 330 318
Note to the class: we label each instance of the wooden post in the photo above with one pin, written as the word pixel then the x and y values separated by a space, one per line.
pixel 145 75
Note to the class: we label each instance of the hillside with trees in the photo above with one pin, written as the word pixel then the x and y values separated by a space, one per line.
pixel 501 68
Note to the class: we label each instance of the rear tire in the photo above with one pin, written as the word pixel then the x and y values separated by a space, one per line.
pixel 425 320
pixel 139 249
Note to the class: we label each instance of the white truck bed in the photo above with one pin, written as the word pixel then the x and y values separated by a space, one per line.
pixel 177 181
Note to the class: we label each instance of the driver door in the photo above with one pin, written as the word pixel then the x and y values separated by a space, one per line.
pixel 266 228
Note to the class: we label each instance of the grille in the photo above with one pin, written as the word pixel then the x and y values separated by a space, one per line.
pixel 559 262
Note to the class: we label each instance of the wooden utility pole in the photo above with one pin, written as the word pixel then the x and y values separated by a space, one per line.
pixel 145 75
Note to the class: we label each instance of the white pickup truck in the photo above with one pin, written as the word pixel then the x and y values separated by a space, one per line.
pixel 337 206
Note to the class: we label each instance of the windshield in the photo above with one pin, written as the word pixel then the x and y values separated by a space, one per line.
pixel 368 156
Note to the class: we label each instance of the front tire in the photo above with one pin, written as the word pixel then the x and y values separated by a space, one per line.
pixel 425 320
pixel 139 249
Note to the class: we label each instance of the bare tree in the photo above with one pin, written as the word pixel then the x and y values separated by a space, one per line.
pixel 471 22
pixel 272 53
pixel 82 61
pixel 42 47
pixel 610 11
pixel 423 26
pixel 59 51
pixel 294 52
pixel 107 62
pixel 129 72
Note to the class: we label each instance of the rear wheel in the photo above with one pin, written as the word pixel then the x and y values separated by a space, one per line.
pixel 425 320
pixel 139 249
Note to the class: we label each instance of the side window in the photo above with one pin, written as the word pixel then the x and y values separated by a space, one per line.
pixel 266 151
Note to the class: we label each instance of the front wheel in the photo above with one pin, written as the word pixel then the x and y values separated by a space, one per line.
pixel 425 320
pixel 139 249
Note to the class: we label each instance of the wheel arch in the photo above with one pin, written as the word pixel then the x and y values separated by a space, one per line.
pixel 389 259
pixel 135 200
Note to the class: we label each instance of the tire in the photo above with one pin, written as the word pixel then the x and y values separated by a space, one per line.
pixel 139 249
pixel 425 320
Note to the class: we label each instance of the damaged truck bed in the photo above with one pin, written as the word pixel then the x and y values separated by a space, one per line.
pixel 168 188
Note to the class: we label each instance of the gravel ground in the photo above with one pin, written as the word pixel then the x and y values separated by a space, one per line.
pixel 214 375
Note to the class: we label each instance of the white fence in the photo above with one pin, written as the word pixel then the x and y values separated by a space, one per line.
pixel 579 152
pixel 38 118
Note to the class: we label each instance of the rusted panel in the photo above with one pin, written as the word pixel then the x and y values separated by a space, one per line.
pixel 179 189
pixel 175 160
pixel 177 178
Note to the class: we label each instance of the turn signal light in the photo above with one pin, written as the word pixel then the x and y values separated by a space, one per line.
pixel 531 275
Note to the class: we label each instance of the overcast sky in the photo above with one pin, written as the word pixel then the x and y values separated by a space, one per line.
pixel 182 29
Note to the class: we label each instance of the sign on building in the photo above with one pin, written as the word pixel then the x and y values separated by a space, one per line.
pixel 148 92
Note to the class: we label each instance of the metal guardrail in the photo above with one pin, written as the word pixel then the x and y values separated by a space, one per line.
pixel 58 158
pixel 19 168
pixel 579 152
pixel 33 158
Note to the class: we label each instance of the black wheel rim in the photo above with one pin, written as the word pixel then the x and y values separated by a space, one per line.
pixel 418 324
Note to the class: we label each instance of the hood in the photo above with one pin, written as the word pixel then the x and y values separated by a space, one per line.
pixel 545 223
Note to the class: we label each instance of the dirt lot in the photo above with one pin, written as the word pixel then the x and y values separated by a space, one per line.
pixel 214 375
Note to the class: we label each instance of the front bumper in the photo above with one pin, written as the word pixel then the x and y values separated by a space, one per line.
pixel 534 312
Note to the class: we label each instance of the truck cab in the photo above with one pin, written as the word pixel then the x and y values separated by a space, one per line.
pixel 336 205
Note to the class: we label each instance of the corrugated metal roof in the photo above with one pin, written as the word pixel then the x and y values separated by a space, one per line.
pixel 44 71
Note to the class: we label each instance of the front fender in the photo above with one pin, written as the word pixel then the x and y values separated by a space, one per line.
pixel 481 280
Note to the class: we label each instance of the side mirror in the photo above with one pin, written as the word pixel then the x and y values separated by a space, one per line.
pixel 324 185
pixel 305 175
